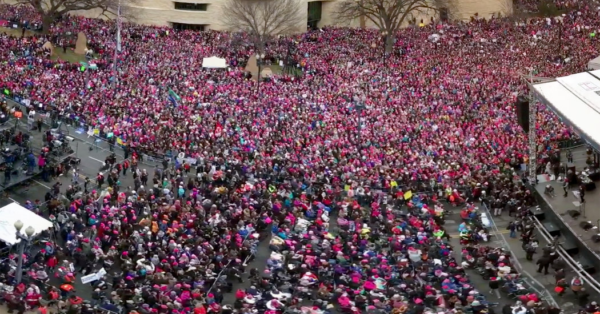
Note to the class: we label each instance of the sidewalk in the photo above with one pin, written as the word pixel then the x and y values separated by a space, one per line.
pixel 568 302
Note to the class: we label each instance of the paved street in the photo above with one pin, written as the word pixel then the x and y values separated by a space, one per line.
pixel 91 161
pixel 539 283
pixel 453 220
pixel 537 280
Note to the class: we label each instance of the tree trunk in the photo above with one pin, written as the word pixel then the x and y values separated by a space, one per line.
pixel 259 44
pixel 47 21
pixel 389 42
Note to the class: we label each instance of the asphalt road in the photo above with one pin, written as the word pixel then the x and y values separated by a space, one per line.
pixel 539 281
pixel 452 221
pixel 91 161
pixel 92 155
pixel 37 190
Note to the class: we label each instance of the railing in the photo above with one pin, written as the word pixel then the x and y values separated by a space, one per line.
pixel 207 292
pixel 571 143
pixel 533 284
pixel 98 307
pixel 226 267
pixel 104 146
pixel 97 143
pixel 575 265
pixel 12 20
pixel 547 208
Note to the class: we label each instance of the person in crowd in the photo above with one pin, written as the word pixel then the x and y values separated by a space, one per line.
pixel 543 263
pixel 353 199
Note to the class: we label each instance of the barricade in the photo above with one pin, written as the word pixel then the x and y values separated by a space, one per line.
pixel 571 143
pixel 584 248
pixel 532 283
pixel 77 129
pixel 226 267
pixel 575 265
pixel 100 148
pixel 98 308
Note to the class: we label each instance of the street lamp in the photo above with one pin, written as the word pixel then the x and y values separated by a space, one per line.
pixel 560 30
pixel 359 106
pixel 25 239
pixel 288 65
pixel 259 60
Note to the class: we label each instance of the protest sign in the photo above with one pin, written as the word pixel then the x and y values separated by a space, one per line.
pixel 89 278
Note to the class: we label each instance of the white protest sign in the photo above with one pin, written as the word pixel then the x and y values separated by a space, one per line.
pixel 101 273
pixel 89 278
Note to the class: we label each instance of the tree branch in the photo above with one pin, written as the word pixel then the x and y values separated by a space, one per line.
pixel 263 19
pixel 388 15
pixel 51 9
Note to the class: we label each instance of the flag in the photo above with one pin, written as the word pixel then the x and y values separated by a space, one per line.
pixel 218 129
pixel 119 29
pixel 408 195
pixel 119 40
pixel 175 96
pixel 172 100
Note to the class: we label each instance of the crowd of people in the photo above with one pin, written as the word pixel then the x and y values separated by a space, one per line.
pixel 285 160
pixel 340 66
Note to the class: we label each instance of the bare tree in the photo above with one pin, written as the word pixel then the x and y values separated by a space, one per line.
pixel 387 15
pixel 52 10
pixel 515 13
pixel 263 19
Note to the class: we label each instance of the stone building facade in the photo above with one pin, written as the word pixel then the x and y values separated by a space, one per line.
pixel 204 14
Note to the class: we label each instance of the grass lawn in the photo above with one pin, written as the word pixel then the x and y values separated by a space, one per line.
pixel 279 70
pixel 69 56
pixel 15 31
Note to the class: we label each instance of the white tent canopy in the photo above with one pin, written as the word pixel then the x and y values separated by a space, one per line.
pixel 594 64
pixel 10 213
pixel 576 100
pixel 214 63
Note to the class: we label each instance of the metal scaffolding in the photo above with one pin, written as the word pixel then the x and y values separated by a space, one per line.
pixel 118 46
pixel 532 136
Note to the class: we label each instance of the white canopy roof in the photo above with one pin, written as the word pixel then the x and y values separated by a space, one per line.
pixel 594 64
pixel 214 63
pixel 10 213
pixel 576 100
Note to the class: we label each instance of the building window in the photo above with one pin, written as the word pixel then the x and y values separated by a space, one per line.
pixel 314 13
pixel 191 6
pixel 193 27
pixel 444 14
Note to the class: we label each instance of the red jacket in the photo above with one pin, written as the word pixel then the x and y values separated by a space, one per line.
pixel 52 262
